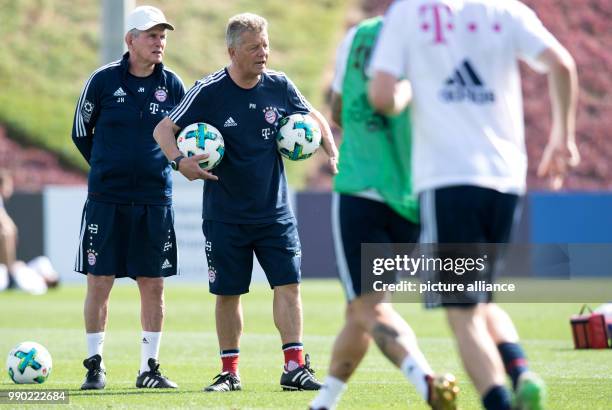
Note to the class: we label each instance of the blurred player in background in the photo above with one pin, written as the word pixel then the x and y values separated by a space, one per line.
pixel 373 204
pixel 35 276
pixel 127 226
pixel 246 208
pixel 8 233
pixel 469 159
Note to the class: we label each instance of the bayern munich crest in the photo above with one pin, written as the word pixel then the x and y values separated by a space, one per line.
pixel 270 115
pixel 211 276
pixel 161 94
pixel 91 258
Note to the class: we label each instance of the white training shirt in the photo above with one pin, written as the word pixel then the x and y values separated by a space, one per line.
pixel 467 113
pixel 342 55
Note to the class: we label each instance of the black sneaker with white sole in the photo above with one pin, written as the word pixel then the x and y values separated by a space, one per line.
pixel 153 379
pixel 224 381
pixel 95 379
pixel 301 378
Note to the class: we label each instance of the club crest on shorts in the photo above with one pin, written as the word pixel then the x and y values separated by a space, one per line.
pixel 91 257
pixel 212 275
pixel 161 94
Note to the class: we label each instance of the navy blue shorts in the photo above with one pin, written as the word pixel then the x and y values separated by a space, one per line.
pixel 466 214
pixel 230 249
pixel 127 240
pixel 357 220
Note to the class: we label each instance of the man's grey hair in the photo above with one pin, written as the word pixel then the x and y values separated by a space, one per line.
pixel 240 23
pixel 135 32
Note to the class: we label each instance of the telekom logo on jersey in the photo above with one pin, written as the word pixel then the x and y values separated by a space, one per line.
pixel 439 16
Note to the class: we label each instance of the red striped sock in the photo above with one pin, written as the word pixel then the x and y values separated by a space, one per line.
pixel 294 355
pixel 229 359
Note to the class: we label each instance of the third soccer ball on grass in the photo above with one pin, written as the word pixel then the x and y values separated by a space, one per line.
pixel 202 138
pixel 29 363
pixel 299 137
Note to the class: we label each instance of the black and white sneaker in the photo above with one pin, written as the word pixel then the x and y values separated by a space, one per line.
pixel 225 381
pixel 95 379
pixel 301 378
pixel 153 379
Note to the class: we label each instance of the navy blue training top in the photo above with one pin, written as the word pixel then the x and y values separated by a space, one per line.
pixel 113 129
pixel 252 187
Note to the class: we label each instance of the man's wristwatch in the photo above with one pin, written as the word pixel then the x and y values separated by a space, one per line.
pixel 175 162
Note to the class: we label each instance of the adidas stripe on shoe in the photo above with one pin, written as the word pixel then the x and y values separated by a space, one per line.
pixel 153 379
pixel 301 378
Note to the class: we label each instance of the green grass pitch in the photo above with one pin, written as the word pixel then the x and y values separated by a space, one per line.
pixel 189 353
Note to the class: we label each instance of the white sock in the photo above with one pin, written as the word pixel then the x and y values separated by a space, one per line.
pixel 4 278
pixel 95 345
pixel 415 368
pixel 329 395
pixel 149 348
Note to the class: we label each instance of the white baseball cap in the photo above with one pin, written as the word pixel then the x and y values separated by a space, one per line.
pixel 145 17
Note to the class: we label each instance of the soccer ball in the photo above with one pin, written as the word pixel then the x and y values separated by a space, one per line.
pixel 29 363
pixel 299 137
pixel 202 138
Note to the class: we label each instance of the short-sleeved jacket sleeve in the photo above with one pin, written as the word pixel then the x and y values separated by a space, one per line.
pixel 194 105
pixel 296 102
pixel 389 54
pixel 529 35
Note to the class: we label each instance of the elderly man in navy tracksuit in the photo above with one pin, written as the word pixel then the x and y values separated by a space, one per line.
pixel 127 224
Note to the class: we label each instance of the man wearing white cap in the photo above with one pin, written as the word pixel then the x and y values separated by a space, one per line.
pixel 127 225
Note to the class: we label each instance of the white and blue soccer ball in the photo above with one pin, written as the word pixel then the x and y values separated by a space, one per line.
pixel 299 137
pixel 202 138
pixel 29 363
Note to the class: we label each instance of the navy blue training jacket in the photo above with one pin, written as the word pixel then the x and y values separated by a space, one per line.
pixel 113 129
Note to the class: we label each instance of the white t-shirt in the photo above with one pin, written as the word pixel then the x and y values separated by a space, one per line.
pixel 342 55
pixel 461 57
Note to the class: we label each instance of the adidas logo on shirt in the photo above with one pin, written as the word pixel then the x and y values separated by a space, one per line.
pixel 230 123
pixel 465 84
pixel 119 92
pixel 166 264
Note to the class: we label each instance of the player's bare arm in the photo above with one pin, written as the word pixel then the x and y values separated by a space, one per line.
pixel 561 151
pixel 327 140
pixel 336 109
pixel 388 94
pixel 164 136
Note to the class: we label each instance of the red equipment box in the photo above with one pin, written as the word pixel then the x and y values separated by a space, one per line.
pixel 590 330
